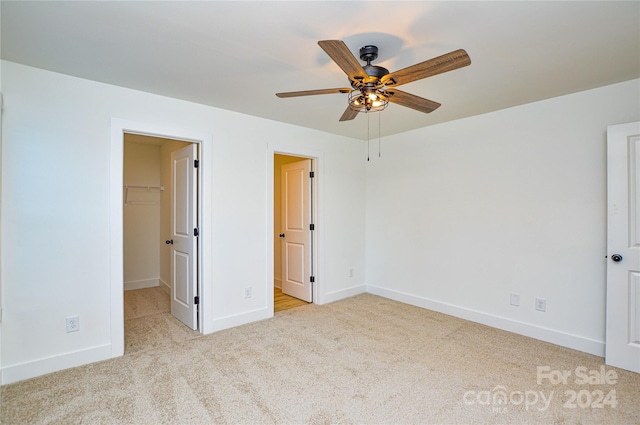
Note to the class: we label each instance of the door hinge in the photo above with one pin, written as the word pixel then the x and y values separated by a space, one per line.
pixel 312 174
pixel 312 279
pixel 196 163
pixel 196 300
pixel 196 232
pixel 312 226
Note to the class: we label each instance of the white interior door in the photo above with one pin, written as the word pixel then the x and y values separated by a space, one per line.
pixel 296 230
pixel 623 247
pixel 184 241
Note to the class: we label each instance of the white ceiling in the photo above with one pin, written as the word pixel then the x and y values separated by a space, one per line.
pixel 236 55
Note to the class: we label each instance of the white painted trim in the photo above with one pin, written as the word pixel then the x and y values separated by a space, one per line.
pixel 544 334
pixel 318 181
pixel 205 290
pixel 31 369
pixel 116 237
pixel 141 284
pixel 1 256
pixel 344 293
pixel 165 286
pixel 244 318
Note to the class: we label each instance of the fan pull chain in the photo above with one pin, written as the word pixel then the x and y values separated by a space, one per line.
pixel 367 135
pixel 379 155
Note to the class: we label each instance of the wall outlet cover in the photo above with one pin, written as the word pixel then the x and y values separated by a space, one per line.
pixel 73 323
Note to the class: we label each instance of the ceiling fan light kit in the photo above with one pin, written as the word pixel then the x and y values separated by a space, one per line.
pixel 367 101
pixel 373 87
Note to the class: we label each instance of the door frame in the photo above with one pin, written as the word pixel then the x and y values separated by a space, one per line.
pixel 317 182
pixel 116 230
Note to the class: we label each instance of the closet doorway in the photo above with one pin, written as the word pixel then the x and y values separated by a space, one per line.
pixel 160 251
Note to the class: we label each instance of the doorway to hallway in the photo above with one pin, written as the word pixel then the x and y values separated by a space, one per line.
pixel 294 228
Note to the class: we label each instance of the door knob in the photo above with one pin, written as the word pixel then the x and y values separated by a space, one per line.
pixel 169 241
pixel 616 258
pixel 282 235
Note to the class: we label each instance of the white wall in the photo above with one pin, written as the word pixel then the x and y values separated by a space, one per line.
pixel 463 213
pixel 55 212
pixel 457 214
pixel 141 216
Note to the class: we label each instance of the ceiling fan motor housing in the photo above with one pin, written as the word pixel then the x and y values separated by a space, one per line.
pixel 375 71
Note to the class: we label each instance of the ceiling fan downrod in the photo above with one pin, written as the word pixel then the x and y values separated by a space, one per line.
pixel 375 73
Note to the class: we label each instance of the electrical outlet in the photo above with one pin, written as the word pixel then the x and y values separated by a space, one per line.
pixel 514 299
pixel 351 272
pixel 541 304
pixel 247 292
pixel 73 323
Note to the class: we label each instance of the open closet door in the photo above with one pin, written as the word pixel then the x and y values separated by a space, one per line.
pixel 296 230
pixel 184 238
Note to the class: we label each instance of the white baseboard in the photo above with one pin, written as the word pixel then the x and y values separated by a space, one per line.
pixel 236 320
pixel 22 371
pixel 141 284
pixel 31 369
pixel 277 282
pixel 544 334
pixel 342 294
pixel 165 286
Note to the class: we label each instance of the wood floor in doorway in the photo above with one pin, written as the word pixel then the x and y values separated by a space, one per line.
pixel 148 323
pixel 285 302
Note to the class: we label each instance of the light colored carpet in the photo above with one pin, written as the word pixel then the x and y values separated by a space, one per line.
pixel 365 360
pixel 148 323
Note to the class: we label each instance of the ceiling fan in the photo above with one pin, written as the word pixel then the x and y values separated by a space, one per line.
pixel 373 87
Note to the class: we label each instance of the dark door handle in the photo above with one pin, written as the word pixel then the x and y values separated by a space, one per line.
pixel 282 235
pixel 169 241
pixel 616 258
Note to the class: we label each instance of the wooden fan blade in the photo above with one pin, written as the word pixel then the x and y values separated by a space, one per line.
pixel 342 56
pixel 348 114
pixel 447 62
pixel 412 101
pixel 313 92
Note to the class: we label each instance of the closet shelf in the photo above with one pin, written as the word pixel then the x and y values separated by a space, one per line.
pixel 137 186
